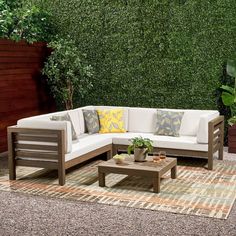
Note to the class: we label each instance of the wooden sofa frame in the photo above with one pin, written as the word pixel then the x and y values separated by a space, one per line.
pixel 215 144
pixel 54 154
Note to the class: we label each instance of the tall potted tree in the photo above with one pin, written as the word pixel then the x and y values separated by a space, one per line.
pixel 229 99
pixel 66 71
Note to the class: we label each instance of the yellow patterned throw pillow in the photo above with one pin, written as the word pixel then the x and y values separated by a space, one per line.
pixel 111 121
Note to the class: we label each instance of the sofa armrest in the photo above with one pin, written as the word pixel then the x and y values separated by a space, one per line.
pixel 202 133
pixel 50 125
pixel 216 134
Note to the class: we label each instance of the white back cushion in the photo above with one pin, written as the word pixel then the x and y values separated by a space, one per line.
pixel 46 117
pixel 54 125
pixel 190 122
pixel 81 117
pixel 202 134
pixel 74 116
pixel 191 119
pixel 142 120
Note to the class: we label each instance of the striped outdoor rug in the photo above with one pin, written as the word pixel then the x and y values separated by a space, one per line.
pixel 196 191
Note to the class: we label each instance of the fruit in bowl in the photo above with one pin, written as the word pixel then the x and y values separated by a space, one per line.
pixel 119 158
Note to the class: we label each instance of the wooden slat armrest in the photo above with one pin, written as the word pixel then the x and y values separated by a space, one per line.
pixel 215 139
pixel 31 144
pixel 216 121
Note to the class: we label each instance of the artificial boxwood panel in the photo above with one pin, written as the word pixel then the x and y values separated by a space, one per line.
pixel 159 53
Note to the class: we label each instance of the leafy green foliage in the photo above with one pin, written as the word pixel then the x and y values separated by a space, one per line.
pixel 151 53
pixel 229 93
pixel 139 142
pixel 231 67
pixel 23 21
pixel 232 121
pixel 67 71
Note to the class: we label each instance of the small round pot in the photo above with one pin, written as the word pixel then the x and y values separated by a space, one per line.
pixel 140 154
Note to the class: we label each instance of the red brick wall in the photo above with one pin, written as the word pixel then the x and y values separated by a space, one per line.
pixel 23 93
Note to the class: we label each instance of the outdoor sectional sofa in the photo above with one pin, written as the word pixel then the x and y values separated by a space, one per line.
pixel 39 142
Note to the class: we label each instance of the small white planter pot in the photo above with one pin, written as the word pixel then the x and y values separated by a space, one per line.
pixel 140 154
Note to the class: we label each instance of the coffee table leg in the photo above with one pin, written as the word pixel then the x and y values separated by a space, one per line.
pixel 101 179
pixel 174 172
pixel 156 184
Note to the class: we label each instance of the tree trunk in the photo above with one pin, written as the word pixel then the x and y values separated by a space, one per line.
pixel 69 101
pixel 69 104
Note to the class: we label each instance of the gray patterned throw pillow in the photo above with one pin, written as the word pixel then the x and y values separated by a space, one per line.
pixel 91 121
pixel 66 117
pixel 168 123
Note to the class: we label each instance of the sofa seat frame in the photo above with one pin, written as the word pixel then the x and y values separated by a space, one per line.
pixel 33 155
pixel 54 154
pixel 215 144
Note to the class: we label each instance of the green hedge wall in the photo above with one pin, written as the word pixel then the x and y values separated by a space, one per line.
pixel 159 53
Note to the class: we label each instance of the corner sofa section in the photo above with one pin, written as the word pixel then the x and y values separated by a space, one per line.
pixel 39 142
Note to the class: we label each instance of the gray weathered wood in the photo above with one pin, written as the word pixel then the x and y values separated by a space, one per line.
pixel 130 167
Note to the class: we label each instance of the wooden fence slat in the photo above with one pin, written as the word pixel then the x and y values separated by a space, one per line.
pixel 22 59
pixel 23 92
pixel 18 54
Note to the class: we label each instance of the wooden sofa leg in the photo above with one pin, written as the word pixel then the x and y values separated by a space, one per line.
pixel 12 170
pixel 210 161
pixel 61 158
pixel 221 152
pixel 109 154
pixel 114 150
pixel 62 176
pixel 11 157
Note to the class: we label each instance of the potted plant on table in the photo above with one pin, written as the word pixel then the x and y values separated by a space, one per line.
pixel 229 99
pixel 141 147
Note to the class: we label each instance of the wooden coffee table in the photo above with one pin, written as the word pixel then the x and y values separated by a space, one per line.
pixel 148 169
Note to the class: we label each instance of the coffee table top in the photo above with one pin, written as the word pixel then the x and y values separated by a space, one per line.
pixel 149 165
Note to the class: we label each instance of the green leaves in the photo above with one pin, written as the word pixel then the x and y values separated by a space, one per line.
pixel 227 88
pixel 139 142
pixel 228 99
pixel 151 53
pixel 229 94
pixel 19 20
pixel 231 67
pixel 232 121
pixel 68 73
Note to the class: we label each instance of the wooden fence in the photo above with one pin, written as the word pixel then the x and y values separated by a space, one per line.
pixel 23 92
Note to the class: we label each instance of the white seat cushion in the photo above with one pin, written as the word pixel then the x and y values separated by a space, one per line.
pixel 88 143
pixel 182 142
